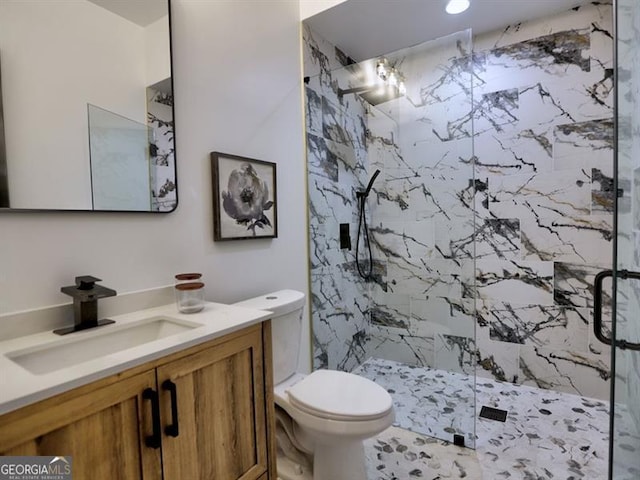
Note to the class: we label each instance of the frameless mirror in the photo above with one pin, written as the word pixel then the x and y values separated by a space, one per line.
pixel 86 111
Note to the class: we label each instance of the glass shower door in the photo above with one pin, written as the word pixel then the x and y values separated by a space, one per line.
pixel 422 343
pixel 625 330
pixel 410 325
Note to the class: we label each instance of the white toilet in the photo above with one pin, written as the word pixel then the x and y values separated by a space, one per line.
pixel 332 412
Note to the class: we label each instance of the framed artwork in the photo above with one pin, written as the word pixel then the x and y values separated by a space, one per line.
pixel 244 198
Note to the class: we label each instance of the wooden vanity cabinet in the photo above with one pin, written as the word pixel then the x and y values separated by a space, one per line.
pixel 103 430
pixel 218 395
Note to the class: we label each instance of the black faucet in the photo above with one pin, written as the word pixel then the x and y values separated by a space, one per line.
pixel 85 295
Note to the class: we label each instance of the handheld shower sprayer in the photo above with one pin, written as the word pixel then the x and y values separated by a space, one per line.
pixel 367 190
pixel 362 221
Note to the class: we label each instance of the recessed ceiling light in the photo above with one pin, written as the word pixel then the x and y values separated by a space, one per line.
pixel 457 6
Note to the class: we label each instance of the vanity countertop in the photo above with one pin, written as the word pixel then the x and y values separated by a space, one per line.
pixel 21 387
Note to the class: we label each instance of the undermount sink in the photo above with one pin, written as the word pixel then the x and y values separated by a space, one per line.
pixel 92 344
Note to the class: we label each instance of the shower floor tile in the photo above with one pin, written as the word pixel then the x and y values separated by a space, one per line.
pixel 547 435
pixel 433 402
pixel 399 454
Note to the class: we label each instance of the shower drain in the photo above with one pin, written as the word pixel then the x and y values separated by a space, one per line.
pixel 493 413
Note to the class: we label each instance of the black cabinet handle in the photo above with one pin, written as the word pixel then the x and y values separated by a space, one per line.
pixel 172 430
pixel 597 307
pixel 153 440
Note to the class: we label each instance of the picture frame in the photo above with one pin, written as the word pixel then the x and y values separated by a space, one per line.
pixel 244 198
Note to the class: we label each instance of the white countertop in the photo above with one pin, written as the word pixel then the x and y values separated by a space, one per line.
pixel 20 387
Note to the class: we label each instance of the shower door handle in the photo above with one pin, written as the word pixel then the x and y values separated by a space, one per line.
pixel 597 307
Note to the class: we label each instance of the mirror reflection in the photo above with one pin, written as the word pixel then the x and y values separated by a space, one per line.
pixel 87 106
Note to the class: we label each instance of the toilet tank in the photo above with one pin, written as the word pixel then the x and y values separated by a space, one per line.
pixel 286 328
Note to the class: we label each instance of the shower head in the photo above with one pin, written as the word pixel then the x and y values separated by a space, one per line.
pixel 367 190
pixel 372 95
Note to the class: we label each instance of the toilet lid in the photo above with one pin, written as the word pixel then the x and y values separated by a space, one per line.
pixel 340 396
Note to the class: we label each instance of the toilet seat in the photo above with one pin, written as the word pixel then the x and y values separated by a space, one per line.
pixel 340 396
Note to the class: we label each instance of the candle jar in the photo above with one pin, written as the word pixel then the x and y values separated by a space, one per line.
pixel 187 278
pixel 190 297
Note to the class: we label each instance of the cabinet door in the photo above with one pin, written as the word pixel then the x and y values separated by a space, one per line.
pixel 103 431
pixel 219 395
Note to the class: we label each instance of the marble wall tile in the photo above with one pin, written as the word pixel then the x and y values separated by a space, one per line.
pixel 390 309
pixel 329 200
pixel 573 285
pixel 455 238
pixel 427 277
pixel 337 165
pixel 325 252
pixel 579 239
pixel 562 193
pixel 494 359
pixel 313 111
pixel 398 345
pixel 444 204
pixel 431 316
pixel 455 354
pixel 453 120
pixel 319 56
pixel 596 347
pixel 465 238
pixel 496 111
pixel 334 123
pixel 539 325
pixel 578 18
pixel 386 315
pixel 584 145
pixel 392 204
pixel 440 69
pixel 381 135
pixel 497 238
pixel 320 162
pixel 339 315
pixel 603 196
pixel 350 162
pixel 545 105
pixel 574 82
pixel 525 152
pixel 552 99
pixel 565 371
pixel 410 241
pixel 433 163
pixel 558 52
pixel 514 281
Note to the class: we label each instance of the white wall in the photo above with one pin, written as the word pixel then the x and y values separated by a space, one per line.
pixel 56 58
pixel 309 8
pixel 156 44
pixel 238 90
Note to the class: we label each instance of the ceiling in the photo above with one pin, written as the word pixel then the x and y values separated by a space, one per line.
pixel 368 28
pixel 142 12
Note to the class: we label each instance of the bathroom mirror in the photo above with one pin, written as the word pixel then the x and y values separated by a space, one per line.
pixel 86 109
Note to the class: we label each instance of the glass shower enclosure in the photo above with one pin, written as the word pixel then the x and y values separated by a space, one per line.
pixel 410 326
pixel 624 333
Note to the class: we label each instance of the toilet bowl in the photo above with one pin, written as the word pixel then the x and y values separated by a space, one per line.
pixel 332 411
